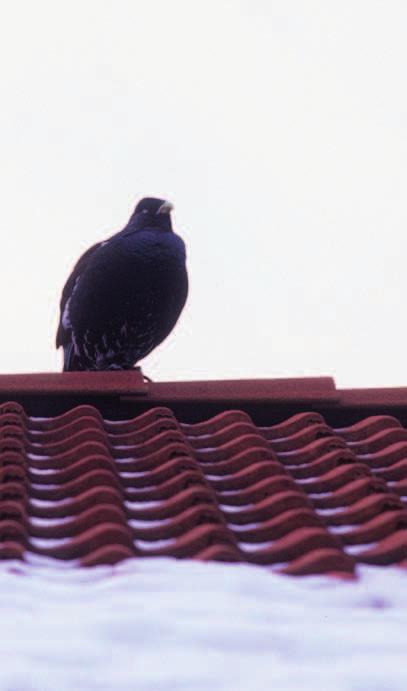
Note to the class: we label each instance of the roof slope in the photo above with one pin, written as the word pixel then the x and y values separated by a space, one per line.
pixel 297 494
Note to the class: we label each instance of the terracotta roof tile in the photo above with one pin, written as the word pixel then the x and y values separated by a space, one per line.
pixel 300 495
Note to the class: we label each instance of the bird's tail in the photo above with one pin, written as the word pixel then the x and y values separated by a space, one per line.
pixel 71 360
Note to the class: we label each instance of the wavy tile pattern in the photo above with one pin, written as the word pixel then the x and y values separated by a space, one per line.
pixel 298 497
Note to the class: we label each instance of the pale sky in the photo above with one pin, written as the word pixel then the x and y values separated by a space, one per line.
pixel 277 128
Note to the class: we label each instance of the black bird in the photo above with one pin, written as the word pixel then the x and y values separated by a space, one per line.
pixel 124 295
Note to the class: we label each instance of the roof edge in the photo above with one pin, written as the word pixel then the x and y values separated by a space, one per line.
pixel 372 397
pixel 301 390
pixel 82 383
pixel 131 385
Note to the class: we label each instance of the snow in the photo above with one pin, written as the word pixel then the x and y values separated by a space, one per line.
pixel 167 625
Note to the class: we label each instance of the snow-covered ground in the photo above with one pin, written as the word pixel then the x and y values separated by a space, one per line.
pixel 161 624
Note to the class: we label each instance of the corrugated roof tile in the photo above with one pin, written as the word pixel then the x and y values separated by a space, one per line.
pixel 298 496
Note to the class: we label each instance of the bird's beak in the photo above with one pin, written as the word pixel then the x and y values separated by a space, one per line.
pixel 165 208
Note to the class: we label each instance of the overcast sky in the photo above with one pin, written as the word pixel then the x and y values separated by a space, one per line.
pixel 279 131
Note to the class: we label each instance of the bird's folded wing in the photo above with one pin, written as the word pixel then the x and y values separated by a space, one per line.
pixel 63 335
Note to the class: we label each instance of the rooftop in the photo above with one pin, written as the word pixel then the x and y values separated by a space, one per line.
pixel 292 474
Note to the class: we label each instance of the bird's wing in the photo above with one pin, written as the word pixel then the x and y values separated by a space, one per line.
pixel 63 333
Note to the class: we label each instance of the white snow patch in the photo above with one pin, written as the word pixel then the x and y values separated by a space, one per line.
pixel 37 457
pixel 48 503
pixel 167 625
pixel 137 505
pixel 40 522
pixel 48 543
pixel 138 523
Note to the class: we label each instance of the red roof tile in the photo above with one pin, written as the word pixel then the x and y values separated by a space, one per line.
pixel 296 492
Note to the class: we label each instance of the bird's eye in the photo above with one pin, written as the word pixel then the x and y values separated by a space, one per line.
pixel 145 211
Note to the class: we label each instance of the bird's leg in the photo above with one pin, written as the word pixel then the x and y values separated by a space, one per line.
pixel 137 368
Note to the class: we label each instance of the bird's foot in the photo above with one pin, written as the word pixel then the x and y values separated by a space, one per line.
pixel 137 368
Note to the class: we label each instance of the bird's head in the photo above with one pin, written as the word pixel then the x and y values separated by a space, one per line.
pixel 151 211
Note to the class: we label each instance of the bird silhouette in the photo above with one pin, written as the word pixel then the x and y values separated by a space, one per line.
pixel 124 295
